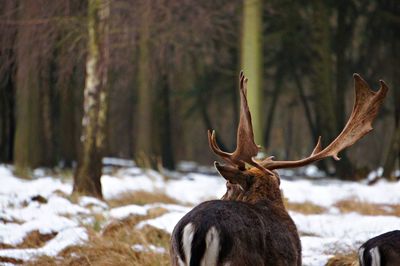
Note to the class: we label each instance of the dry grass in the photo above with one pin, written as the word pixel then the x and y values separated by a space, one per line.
pixel 113 245
pixel 141 198
pixel 343 259
pixel 33 240
pixel 366 208
pixel 305 207
pixel 10 260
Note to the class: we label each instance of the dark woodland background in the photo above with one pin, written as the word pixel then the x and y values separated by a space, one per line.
pixel 172 74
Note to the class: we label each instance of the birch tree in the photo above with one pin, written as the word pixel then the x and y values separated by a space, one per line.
pixel 88 173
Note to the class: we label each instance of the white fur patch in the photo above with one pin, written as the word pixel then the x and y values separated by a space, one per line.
pixel 187 239
pixel 361 256
pixel 376 256
pixel 210 257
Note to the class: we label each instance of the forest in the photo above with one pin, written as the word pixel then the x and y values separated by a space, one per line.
pixel 170 73
pixel 106 105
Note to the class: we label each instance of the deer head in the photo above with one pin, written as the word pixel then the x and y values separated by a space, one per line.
pixel 253 180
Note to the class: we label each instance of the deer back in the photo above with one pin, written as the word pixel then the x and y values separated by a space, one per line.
pixel 381 250
pixel 240 233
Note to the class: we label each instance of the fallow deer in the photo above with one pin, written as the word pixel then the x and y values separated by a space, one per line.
pixel 382 250
pixel 250 225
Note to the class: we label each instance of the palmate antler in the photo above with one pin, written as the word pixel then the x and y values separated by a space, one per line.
pixel 365 109
pixel 246 148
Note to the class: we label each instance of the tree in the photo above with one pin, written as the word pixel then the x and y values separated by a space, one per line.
pixel 32 143
pixel 321 77
pixel 144 144
pixel 252 62
pixel 88 173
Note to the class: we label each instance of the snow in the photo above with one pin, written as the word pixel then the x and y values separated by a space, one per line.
pixel 326 192
pixel 195 188
pixel 149 248
pixel 13 234
pixel 40 204
pixel 165 222
pixel 65 238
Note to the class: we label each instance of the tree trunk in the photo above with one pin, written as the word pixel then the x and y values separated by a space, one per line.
pixel 344 168
pixel 394 148
pixel 88 173
pixel 272 107
pixel 321 79
pixel 167 151
pixel 391 156
pixel 28 148
pixel 144 140
pixel 7 83
pixel 252 62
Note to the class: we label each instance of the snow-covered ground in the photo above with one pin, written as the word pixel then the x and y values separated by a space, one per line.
pixel 42 205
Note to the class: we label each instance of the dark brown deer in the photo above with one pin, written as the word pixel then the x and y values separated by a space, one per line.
pixel 382 250
pixel 250 225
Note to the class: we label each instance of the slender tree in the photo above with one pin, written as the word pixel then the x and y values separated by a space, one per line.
pixel 251 56
pixel 144 112
pixel 88 173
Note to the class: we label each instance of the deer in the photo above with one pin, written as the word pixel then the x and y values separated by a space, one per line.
pixel 382 250
pixel 250 225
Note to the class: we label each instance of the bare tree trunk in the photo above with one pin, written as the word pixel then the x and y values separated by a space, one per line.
pixel 252 62
pixel 272 107
pixel 144 140
pixel 321 79
pixel 28 146
pixel 7 83
pixel 394 148
pixel 344 168
pixel 88 173
pixel 167 151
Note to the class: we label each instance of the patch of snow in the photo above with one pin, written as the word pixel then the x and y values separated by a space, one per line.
pixel 164 222
pixel 313 250
pixel 187 166
pixel 14 234
pixel 352 226
pixel 39 172
pixel 86 201
pixel 114 186
pixel 313 171
pixel 375 174
pixel 149 248
pixel 195 188
pixel 328 192
pixel 35 210
pixel 118 162
pixel 17 192
pixel 125 211
pixel 68 237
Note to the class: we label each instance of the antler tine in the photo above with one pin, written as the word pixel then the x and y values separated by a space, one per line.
pixel 365 109
pixel 246 148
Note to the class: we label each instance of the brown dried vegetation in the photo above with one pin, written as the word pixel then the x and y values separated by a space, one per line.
pixel 366 208
pixel 305 207
pixel 141 198
pixel 343 259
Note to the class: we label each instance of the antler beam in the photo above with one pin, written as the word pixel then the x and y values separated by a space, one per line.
pixel 365 109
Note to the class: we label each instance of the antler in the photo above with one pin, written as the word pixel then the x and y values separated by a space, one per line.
pixel 246 148
pixel 365 109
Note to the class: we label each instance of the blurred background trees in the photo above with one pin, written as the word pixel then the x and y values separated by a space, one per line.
pixel 172 74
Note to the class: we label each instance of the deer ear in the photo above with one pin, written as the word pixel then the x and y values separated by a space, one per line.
pixel 234 175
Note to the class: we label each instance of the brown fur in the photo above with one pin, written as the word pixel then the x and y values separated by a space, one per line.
pixel 253 224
